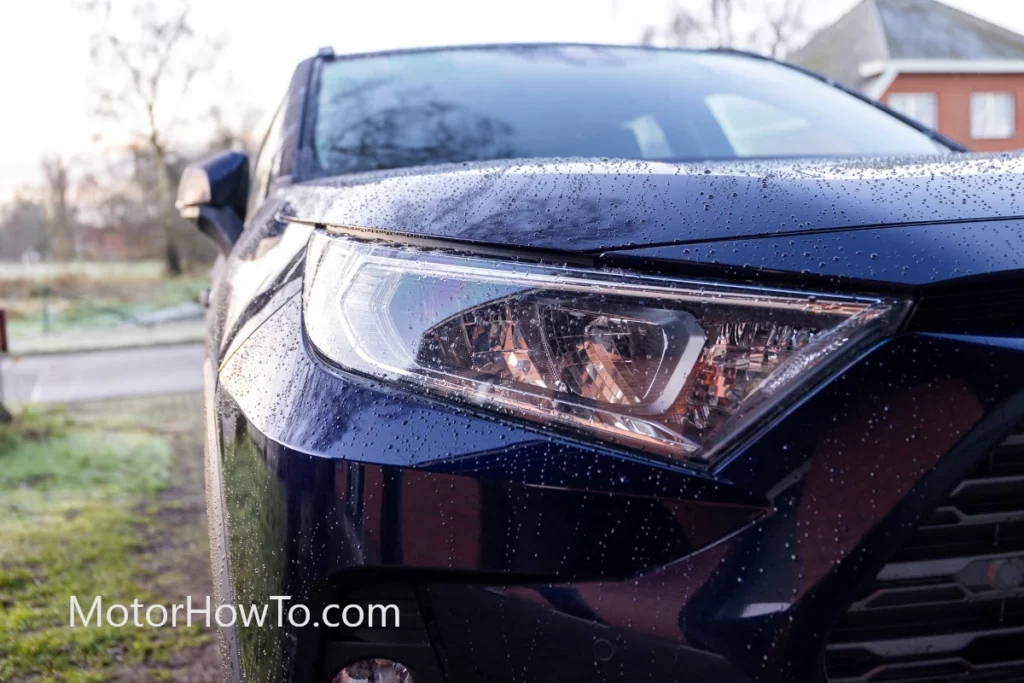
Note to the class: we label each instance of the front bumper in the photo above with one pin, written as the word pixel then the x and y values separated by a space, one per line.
pixel 526 556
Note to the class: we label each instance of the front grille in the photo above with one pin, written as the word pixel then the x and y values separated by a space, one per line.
pixel 949 606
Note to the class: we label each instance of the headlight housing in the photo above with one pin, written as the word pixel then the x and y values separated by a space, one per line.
pixel 672 367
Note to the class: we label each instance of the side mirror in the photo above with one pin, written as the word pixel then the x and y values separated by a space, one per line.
pixel 213 193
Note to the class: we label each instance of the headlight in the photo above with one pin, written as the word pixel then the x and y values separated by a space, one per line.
pixel 672 367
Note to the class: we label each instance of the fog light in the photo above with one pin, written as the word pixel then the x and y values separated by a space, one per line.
pixel 374 671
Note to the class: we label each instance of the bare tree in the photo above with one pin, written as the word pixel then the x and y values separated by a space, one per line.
pixel 59 218
pixel 697 23
pixel 722 13
pixel 240 135
pixel 768 26
pixel 784 24
pixel 23 229
pixel 686 28
pixel 146 62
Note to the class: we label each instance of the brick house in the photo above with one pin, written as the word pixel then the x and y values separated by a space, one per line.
pixel 945 68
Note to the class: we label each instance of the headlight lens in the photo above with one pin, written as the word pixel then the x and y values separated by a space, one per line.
pixel 672 367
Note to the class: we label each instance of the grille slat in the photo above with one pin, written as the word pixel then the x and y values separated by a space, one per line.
pixel 949 606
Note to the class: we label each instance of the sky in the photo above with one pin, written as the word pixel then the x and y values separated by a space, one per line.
pixel 45 67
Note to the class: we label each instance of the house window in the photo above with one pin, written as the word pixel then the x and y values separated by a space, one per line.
pixel 992 115
pixel 923 107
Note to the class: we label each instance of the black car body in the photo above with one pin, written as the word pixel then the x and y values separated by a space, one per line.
pixel 863 522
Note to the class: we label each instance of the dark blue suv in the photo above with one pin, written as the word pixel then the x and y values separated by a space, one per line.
pixel 613 364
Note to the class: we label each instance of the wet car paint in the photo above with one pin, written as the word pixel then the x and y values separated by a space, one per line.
pixel 593 205
pixel 307 431
pixel 952 254
pixel 538 555
pixel 333 476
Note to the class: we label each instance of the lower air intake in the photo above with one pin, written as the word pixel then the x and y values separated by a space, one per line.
pixel 949 606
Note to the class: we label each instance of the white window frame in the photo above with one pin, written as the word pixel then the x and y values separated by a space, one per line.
pixel 993 115
pixel 922 107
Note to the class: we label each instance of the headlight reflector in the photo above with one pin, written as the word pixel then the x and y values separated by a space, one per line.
pixel 672 367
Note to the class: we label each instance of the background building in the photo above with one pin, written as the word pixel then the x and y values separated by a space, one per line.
pixel 945 68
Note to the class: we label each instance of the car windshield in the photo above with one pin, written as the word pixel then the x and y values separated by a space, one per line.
pixel 471 104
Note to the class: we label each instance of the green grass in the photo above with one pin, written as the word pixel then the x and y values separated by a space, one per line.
pixel 181 289
pixel 99 309
pixel 76 503
pixel 80 465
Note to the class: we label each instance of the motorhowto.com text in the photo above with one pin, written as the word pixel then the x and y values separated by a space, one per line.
pixel 277 612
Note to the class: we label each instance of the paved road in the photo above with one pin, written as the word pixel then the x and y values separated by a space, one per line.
pixel 69 377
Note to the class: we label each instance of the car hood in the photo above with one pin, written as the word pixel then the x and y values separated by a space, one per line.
pixel 595 205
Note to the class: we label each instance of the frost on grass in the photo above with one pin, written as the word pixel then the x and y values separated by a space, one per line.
pixel 87 507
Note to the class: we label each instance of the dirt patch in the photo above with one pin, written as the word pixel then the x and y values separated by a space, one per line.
pixel 175 562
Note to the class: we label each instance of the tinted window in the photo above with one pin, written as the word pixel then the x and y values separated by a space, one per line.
pixel 392 111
